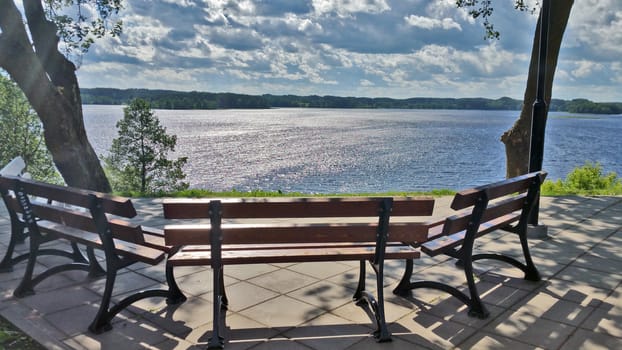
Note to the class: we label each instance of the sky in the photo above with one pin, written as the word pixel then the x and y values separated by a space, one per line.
pixel 363 48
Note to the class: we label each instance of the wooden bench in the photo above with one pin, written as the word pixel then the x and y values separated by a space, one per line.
pixel 94 220
pixel 505 205
pixel 287 230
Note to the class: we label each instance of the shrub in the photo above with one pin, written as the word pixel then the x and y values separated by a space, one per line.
pixel 585 180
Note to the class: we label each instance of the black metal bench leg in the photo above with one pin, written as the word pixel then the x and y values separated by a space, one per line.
pixel 358 294
pixel 101 322
pixel 382 333
pixel 531 272
pixel 175 296
pixel 403 288
pixel 476 307
pixel 223 291
pixel 95 269
pixel 217 341
pixel 26 286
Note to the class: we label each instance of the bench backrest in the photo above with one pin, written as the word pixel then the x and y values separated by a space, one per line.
pixel 297 224
pixel 71 207
pixel 496 200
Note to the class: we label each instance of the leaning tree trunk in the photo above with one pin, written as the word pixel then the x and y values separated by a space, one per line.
pixel 49 82
pixel 518 138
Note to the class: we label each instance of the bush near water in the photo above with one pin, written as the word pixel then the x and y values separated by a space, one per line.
pixel 587 180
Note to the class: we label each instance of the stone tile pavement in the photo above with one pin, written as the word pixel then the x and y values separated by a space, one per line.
pixel 578 305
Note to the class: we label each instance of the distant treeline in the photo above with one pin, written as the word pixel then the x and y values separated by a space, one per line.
pixel 168 99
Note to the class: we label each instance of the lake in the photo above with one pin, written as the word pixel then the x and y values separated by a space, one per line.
pixel 361 150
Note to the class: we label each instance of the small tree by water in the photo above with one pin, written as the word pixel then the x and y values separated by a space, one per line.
pixel 138 156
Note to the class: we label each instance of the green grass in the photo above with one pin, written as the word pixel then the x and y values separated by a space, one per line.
pixel 202 193
pixel 586 180
pixel 13 338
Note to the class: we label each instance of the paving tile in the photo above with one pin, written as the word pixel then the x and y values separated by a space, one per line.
pixel 452 309
pixel 239 333
pixel 125 282
pixel 530 328
pixel 182 318
pixel 576 292
pixel 369 343
pixel 593 262
pixel 359 314
pixel 48 302
pixel 607 318
pixel 587 340
pixel 242 295
pixel 554 308
pixel 75 320
pixel 324 294
pixel 283 281
pixel 200 283
pixel 320 270
pixel 281 344
pixel 485 340
pixel 429 331
pixel 593 278
pixel 244 272
pixel 611 248
pixel 130 335
pixel 282 311
pixel 330 330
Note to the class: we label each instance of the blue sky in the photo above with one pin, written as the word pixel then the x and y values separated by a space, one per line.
pixel 373 48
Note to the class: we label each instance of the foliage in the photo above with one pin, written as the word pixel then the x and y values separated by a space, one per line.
pixel 585 180
pixel 80 31
pixel 484 9
pixel 22 135
pixel 138 157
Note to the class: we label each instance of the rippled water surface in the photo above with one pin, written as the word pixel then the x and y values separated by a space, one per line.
pixel 347 150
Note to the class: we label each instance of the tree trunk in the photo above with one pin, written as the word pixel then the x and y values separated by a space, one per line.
pixel 49 82
pixel 517 139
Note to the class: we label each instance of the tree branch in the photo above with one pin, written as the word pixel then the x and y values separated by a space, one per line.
pixel 45 40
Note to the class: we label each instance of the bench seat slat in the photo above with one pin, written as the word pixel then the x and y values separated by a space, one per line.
pixel 287 255
pixel 138 252
pixel 292 233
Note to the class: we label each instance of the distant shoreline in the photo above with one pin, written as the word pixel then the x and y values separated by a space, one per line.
pixel 169 99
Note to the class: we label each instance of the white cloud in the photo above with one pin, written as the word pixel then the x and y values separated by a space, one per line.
pixel 375 48
pixel 432 23
pixel 349 7
pixel 586 68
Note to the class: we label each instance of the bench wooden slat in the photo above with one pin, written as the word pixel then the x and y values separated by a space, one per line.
pixel 460 222
pixel 443 243
pixel 253 208
pixel 468 198
pixel 270 233
pixel 284 255
pixel 91 239
pixel 81 219
pixel 112 204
